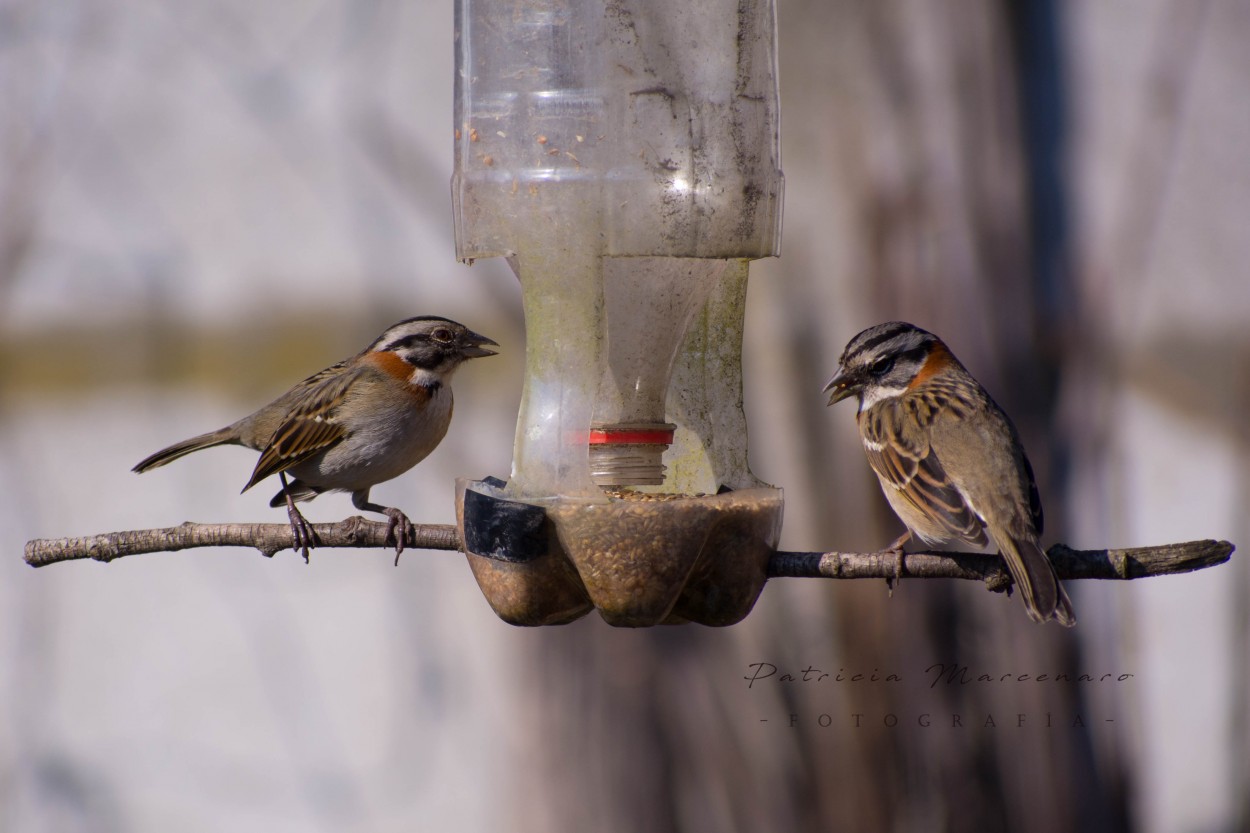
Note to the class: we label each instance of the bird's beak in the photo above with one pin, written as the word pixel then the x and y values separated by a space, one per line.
pixel 842 385
pixel 472 346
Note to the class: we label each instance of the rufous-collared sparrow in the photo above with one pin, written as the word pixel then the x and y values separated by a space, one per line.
pixel 355 424
pixel 949 460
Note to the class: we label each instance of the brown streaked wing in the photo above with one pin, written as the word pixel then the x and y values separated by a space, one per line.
pixel 309 428
pixel 909 465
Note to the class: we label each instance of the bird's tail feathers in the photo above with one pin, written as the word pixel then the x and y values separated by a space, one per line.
pixel 1032 572
pixel 167 455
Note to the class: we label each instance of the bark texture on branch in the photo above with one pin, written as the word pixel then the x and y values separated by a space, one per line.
pixel 354 532
pixel 357 532
pixel 1137 562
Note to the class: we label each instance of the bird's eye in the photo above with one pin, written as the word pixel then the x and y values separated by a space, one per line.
pixel 881 366
pixel 442 335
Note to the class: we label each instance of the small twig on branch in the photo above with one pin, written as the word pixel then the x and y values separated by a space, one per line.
pixel 358 532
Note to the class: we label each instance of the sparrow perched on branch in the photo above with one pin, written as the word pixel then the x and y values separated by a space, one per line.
pixel 948 458
pixel 355 424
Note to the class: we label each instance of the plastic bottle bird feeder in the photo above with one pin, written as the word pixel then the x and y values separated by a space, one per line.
pixel 625 158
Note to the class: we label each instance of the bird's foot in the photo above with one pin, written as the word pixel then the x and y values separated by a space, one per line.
pixel 900 560
pixel 399 531
pixel 303 535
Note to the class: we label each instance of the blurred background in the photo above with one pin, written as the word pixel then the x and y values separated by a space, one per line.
pixel 203 202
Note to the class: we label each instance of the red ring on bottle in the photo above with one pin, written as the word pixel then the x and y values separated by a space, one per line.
pixel 631 436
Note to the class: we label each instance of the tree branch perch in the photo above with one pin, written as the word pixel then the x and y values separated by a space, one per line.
pixel 1138 562
pixel 357 532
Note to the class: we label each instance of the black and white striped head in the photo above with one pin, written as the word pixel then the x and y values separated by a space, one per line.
pixel 881 362
pixel 433 344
